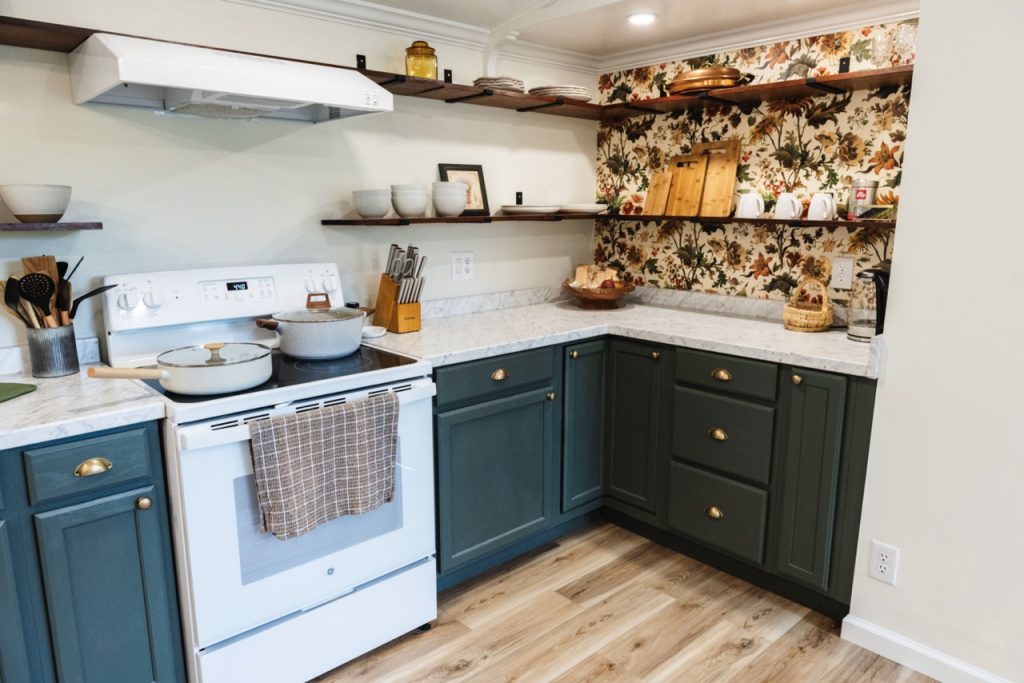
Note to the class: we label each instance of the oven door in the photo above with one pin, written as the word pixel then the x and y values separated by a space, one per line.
pixel 240 578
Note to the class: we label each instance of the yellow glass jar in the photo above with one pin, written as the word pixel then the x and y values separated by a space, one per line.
pixel 420 60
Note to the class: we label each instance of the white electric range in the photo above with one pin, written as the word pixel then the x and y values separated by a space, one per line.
pixel 256 608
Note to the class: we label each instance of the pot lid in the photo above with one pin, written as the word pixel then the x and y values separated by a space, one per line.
pixel 318 315
pixel 212 355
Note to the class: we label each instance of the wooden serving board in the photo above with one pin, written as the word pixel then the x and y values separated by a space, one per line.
pixel 657 193
pixel 720 179
pixel 687 184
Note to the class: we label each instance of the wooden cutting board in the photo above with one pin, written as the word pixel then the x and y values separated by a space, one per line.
pixel 687 183
pixel 720 178
pixel 657 193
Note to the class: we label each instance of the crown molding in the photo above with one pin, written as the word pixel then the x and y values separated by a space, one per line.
pixel 809 24
pixel 534 53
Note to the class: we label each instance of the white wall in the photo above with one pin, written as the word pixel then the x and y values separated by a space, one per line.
pixel 178 192
pixel 946 467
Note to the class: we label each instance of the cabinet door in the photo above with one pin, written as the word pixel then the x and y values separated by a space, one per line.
pixel 583 424
pixel 494 474
pixel 634 389
pixel 13 649
pixel 107 594
pixel 812 408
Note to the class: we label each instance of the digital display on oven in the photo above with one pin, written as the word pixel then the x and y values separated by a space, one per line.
pixel 237 286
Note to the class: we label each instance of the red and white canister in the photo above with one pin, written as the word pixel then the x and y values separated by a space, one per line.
pixel 862 197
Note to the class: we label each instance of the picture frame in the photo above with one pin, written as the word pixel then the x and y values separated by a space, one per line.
pixel 473 176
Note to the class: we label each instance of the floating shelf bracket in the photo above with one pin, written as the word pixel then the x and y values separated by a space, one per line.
pixel 637 107
pixel 824 87
pixel 558 101
pixel 398 78
pixel 465 98
pixel 708 97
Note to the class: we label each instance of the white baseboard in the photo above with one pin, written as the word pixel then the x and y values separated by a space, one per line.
pixel 912 654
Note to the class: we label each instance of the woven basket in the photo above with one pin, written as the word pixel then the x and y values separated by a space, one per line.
pixel 801 316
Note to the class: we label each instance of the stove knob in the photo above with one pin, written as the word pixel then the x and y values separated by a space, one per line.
pixel 128 300
pixel 330 284
pixel 311 285
pixel 153 299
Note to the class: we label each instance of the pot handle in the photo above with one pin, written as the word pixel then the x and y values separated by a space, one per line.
pixel 266 323
pixel 317 300
pixel 127 373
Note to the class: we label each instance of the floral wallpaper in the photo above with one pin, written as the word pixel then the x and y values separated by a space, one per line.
pixel 805 145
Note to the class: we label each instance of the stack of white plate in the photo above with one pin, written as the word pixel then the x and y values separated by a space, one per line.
pixel 569 92
pixel 501 83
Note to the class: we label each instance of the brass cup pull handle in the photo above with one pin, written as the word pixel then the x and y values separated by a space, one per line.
pixel 574 355
pixel 655 355
pixel 551 396
pixel 143 502
pixel 92 467
pixel 721 374
pixel 714 512
pixel 797 379
pixel 718 434
pixel 499 375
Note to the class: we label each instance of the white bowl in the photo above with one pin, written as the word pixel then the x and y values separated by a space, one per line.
pixel 449 204
pixel 36 203
pixel 449 187
pixel 411 187
pixel 370 193
pixel 371 205
pixel 408 193
pixel 410 205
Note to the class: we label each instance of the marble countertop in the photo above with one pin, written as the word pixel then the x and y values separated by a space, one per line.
pixel 72 405
pixel 445 341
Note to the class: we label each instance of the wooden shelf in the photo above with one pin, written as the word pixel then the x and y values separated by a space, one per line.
pixel 48 227
pixel 801 223
pixel 499 218
pixel 62 38
pixel 764 92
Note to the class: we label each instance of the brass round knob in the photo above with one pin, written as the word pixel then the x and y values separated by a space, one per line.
pixel 551 396
pixel 718 434
pixel 92 467
pixel 721 374
pixel 797 379
pixel 714 512
pixel 499 375
pixel 574 354
pixel 143 502
pixel 655 355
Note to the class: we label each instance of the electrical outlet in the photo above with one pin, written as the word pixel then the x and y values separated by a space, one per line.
pixel 462 265
pixel 885 561
pixel 842 273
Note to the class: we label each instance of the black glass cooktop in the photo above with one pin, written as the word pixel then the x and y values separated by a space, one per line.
pixel 292 371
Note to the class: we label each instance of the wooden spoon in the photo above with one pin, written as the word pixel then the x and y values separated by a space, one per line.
pixel 38 289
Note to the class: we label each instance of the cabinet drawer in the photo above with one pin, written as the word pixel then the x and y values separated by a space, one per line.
pixel 51 471
pixel 696 498
pixel 727 373
pixel 483 379
pixel 723 433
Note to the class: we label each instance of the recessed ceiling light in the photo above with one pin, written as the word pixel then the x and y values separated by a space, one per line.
pixel 642 18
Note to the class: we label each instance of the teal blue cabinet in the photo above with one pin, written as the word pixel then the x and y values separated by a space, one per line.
pixel 583 426
pixel 106 589
pixel 634 419
pixel 14 664
pixel 813 405
pixel 495 483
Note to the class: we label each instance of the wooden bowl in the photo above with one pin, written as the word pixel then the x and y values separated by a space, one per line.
pixel 598 298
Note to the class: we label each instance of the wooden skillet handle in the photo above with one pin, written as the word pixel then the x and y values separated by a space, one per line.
pixel 266 324
pixel 126 373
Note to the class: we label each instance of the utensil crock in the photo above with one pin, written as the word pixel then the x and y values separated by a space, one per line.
pixel 52 351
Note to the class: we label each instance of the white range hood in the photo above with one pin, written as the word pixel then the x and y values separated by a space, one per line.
pixel 205 82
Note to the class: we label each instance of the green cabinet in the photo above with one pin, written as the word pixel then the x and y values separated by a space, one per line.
pixel 106 589
pixel 634 415
pixel 813 405
pixel 13 650
pixel 583 427
pixel 495 464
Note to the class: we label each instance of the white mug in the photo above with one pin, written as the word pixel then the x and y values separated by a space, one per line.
pixel 751 205
pixel 823 207
pixel 787 206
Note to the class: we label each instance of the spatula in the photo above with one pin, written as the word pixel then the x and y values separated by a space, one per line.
pixel 12 299
pixel 37 289
pixel 64 302
pixel 98 290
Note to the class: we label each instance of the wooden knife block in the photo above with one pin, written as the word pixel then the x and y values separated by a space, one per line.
pixel 396 317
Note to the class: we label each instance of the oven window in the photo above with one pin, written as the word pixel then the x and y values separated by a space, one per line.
pixel 263 554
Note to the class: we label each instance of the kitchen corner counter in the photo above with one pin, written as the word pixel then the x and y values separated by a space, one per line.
pixel 72 405
pixel 445 341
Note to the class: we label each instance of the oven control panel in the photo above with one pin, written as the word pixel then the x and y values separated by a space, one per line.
pixel 141 301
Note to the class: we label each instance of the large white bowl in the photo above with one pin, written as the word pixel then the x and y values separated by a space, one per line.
pixel 36 203
pixel 449 204
pixel 371 204
pixel 410 187
pixel 447 187
pixel 410 205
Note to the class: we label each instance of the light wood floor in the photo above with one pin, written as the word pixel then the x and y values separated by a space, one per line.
pixel 608 605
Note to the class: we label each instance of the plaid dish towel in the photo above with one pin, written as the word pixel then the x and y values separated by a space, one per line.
pixel 316 466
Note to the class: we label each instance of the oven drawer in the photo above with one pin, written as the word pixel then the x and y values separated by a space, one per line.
pixel 725 434
pixel 483 379
pixel 726 373
pixel 88 465
pixel 719 512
